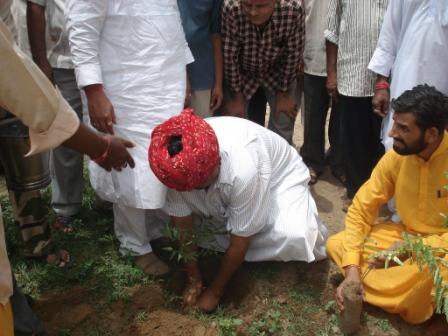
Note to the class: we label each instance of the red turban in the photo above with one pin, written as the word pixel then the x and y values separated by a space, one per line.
pixel 197 159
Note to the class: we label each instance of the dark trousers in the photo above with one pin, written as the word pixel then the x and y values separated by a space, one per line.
pixel 256 110
pixel 317 103
pixel 361 139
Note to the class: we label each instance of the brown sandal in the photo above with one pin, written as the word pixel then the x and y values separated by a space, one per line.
pixel 151 265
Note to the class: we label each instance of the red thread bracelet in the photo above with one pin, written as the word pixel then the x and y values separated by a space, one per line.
pixel 383 85
pixel 100 159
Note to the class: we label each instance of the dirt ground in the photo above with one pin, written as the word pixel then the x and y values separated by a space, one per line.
pixel 291 298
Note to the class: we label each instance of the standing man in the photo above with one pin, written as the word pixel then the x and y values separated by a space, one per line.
pixel 352 33
pixel 54 59
pixel 263 47
pixel 412 49
pixel 246 182
pixel 316 99
pixel 130 61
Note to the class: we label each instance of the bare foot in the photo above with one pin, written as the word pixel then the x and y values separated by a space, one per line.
pixel 438 326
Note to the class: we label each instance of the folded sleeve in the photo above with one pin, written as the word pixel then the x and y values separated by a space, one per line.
pixel 331 31
pixel 27 93
pixel 384 56
pixel 84 23
pixel 378 190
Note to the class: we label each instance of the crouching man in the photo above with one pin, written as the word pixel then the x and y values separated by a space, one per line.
pixel 231 173
pixel 414 174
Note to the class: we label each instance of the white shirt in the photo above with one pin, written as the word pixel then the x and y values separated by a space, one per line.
pixel 412 49
pixel 314 55
pixel 261 192
pixel 354 25
pixel 57 42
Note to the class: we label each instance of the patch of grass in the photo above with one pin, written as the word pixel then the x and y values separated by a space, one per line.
pixel 264 270
pixel 141 316
pixel 383 324
pixel 268 323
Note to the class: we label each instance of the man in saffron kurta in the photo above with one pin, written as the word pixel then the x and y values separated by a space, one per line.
pixel 413 173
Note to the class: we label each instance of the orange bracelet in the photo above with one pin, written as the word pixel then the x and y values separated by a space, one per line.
pixel 100 159
pixel 382 85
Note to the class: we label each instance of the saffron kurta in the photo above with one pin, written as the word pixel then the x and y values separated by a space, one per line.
pixel 412 49
pixel 418 188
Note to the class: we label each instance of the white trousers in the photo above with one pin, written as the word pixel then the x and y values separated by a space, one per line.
pixel 136 228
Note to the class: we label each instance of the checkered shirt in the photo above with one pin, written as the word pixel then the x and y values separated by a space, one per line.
pixel 268 56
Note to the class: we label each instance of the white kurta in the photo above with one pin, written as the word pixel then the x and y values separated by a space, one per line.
pixel 412 49
pixel 137 49
pixel 261 191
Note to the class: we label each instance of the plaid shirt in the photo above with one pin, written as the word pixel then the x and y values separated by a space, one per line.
pixel 267 56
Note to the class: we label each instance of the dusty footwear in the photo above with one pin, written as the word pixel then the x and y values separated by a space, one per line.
pixel 346 203
pixel 151 265
pixel 63 224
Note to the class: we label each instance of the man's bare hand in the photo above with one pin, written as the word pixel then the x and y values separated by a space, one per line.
pixel 380 102
pixel 216 98
pixel 118 156
pixel 286 104
pixel 192 292
pixel 208 301
pixel 352 274
pixel 101 111
pixel 332 86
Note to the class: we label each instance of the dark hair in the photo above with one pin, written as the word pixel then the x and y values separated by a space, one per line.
pixel 429 106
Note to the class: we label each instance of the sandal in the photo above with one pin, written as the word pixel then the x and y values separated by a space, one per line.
pixel 151 265
pixel 63 224
pixel 59 258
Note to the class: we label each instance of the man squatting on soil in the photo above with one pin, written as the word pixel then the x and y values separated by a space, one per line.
pixel 232 174
pixel 31 97
pixel 414 174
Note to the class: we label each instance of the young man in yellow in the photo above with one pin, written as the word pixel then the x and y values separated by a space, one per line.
pixel 413 173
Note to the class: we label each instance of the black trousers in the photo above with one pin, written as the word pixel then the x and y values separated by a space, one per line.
pixel 317 104
pixel 361 140
pixel 256 110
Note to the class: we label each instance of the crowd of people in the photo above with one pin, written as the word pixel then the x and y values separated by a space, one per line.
pixel 168 99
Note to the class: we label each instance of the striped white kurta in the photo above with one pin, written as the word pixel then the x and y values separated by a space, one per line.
pixel 261 192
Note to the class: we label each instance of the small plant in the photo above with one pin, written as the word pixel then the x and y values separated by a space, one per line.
pixel 269 323
pixel 228 326
pixel 141 316
pixel 383 325
pixel 427 258
pixel 202 234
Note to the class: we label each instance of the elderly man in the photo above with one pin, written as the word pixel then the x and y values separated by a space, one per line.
pixel 412 49
pixel 235 176
pixel 263 47
pixel 414 173
pixel 51 122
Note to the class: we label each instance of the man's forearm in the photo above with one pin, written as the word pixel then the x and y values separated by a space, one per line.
pixel 332 56
pixel 36 32
pixel 233 258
